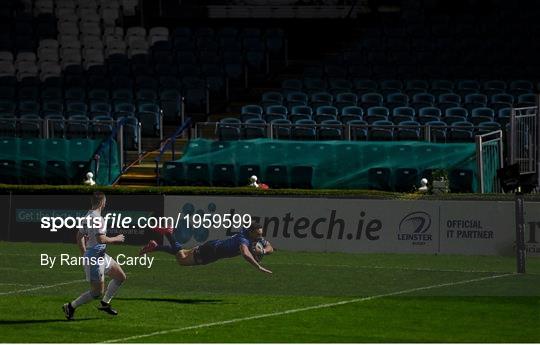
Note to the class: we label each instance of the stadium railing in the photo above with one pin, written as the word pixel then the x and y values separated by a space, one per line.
pixel 211 130
pixel 106 151
pixel 170 142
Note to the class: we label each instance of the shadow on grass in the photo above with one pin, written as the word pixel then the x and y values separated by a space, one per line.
pixel 23 322
pixel 174 300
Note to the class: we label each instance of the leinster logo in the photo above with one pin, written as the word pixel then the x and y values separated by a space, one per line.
pixel 415 227
pixel 183 233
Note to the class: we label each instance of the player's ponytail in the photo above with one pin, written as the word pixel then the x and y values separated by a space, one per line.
pixel 97 200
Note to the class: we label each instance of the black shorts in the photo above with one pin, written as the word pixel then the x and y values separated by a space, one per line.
pixel 205 253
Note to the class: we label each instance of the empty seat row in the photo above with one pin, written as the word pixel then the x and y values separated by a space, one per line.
pixel 354 129
pixel 280 176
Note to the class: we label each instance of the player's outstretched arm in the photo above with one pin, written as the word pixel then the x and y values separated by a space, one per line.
pixel 244 250
pixel 103 239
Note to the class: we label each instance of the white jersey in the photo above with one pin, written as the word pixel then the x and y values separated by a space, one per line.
pixel 92 229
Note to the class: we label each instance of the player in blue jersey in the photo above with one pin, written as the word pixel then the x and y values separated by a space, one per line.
pixel 249 243
pixel 92 241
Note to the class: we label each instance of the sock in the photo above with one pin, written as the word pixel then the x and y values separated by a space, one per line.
pixel 174 246
pixel 168 249
pixel 82 299
pixel 111 290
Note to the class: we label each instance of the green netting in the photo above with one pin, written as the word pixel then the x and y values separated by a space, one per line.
pixel 109 165
pixel 491 161
pixel 336 164
pixel 55 161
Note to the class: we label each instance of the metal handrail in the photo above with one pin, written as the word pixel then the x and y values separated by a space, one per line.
pixel 170 141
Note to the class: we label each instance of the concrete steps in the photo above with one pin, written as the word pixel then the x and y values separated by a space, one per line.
pixel 143 173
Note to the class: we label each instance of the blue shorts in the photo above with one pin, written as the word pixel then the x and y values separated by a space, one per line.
pixel 206 253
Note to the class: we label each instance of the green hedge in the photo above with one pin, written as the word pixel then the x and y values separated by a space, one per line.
pixel 323 193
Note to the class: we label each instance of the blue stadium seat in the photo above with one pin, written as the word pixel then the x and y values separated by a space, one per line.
pixel 428 114
pixel 438 131
pixel 30 126
pixel 406 180
pixel 409 130
pixel 320 99
pixel 77 127
pixel 501 100
pixel 9 171
pixel 371 99
pixel 295 98
pixel 130 131
pixel 276 176
pixel 382 130
pixel 352 110
pixel 460 180
pixel 277 109
pixel 395 100
pixel 251 116
pixel 172 174
pixel 400 114
pixel 223 175
pixel 302 110
pixel 101 126
pixel 377 114
pixel 252 109
pixel 359 129
pixel 281 128
pixel 457 111
pixel 304 130
pixel 422 100
pixel 345 99
pixel 379 179
pixel 330 130
pixel 197 174
pixel 254 129
pixel 475 100
pixel 527 100
pixel 483 114
pixel 461 132
pixel 56 123
pixel 503 116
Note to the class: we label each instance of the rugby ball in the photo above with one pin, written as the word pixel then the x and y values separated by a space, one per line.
pixel 256 250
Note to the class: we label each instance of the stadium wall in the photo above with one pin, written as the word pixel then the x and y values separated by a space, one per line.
pixel 369 226
pixel 323 224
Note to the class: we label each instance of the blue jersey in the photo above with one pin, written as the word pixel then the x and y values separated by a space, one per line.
pixel 230 247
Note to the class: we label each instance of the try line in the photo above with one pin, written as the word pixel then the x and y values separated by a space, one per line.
pixel 298 310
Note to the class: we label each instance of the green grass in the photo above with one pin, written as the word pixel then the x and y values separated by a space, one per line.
pixel 464 308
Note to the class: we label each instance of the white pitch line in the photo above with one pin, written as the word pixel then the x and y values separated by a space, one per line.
pixel 41 287
pixel 298 310
pixel 387 268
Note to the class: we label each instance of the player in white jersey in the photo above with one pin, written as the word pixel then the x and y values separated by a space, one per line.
pixel 92 241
